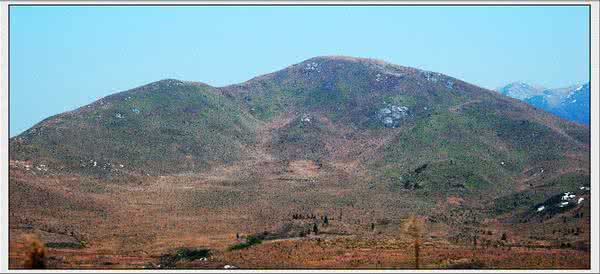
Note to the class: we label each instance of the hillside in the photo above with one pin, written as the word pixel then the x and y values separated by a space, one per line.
pixel 165 126
pixel 187 164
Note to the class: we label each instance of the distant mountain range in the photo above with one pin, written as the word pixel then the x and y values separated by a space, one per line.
pixel 571 103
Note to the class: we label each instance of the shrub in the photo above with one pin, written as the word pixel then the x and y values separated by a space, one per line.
pixel 188 254
pixel 466 264
pixel 36 254
pixel 64 245
pixel 252 240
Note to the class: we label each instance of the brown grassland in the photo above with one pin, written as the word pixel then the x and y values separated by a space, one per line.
pixel 130 223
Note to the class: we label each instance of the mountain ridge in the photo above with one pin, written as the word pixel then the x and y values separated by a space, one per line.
pixel 331 85
pixel 174 163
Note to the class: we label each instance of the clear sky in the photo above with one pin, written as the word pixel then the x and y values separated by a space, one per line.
pixel 64 57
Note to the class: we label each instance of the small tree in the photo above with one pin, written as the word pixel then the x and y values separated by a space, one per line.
pixel 325 221
pixel 315 229
pixel 372 226
pixel 414 228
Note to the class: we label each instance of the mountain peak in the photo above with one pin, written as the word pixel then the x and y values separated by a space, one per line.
pixel 520 90
pixel 327 72
pixel 347 59
pixel 523 84
pixel 176 82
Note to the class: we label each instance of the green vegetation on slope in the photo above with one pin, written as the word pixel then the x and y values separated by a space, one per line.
pixel 163 127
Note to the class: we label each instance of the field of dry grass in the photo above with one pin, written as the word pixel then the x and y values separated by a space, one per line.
pixel 129 222
pixel 330 252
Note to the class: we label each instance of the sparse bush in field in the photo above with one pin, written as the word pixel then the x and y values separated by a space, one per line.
pixel 466 264
pixel 65 245
pixel 188 254
pixel 565 245
pixel 36 253
pixel 250 241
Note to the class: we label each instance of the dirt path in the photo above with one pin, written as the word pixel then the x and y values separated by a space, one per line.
pixel 455 109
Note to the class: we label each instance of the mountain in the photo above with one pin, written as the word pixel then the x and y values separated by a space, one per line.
pixel 385 118
pixel 330 135
pixel 520 90
pixel 571 103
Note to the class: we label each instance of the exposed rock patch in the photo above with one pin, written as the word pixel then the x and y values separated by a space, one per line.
pixel 392 115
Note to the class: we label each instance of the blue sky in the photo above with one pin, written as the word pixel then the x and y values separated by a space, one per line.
pixel 64 57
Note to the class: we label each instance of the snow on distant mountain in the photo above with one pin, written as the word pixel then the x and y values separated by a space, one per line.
pixel 520 90
pixel 571 103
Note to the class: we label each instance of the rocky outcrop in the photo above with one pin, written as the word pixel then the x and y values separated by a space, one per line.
pixel 392 115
